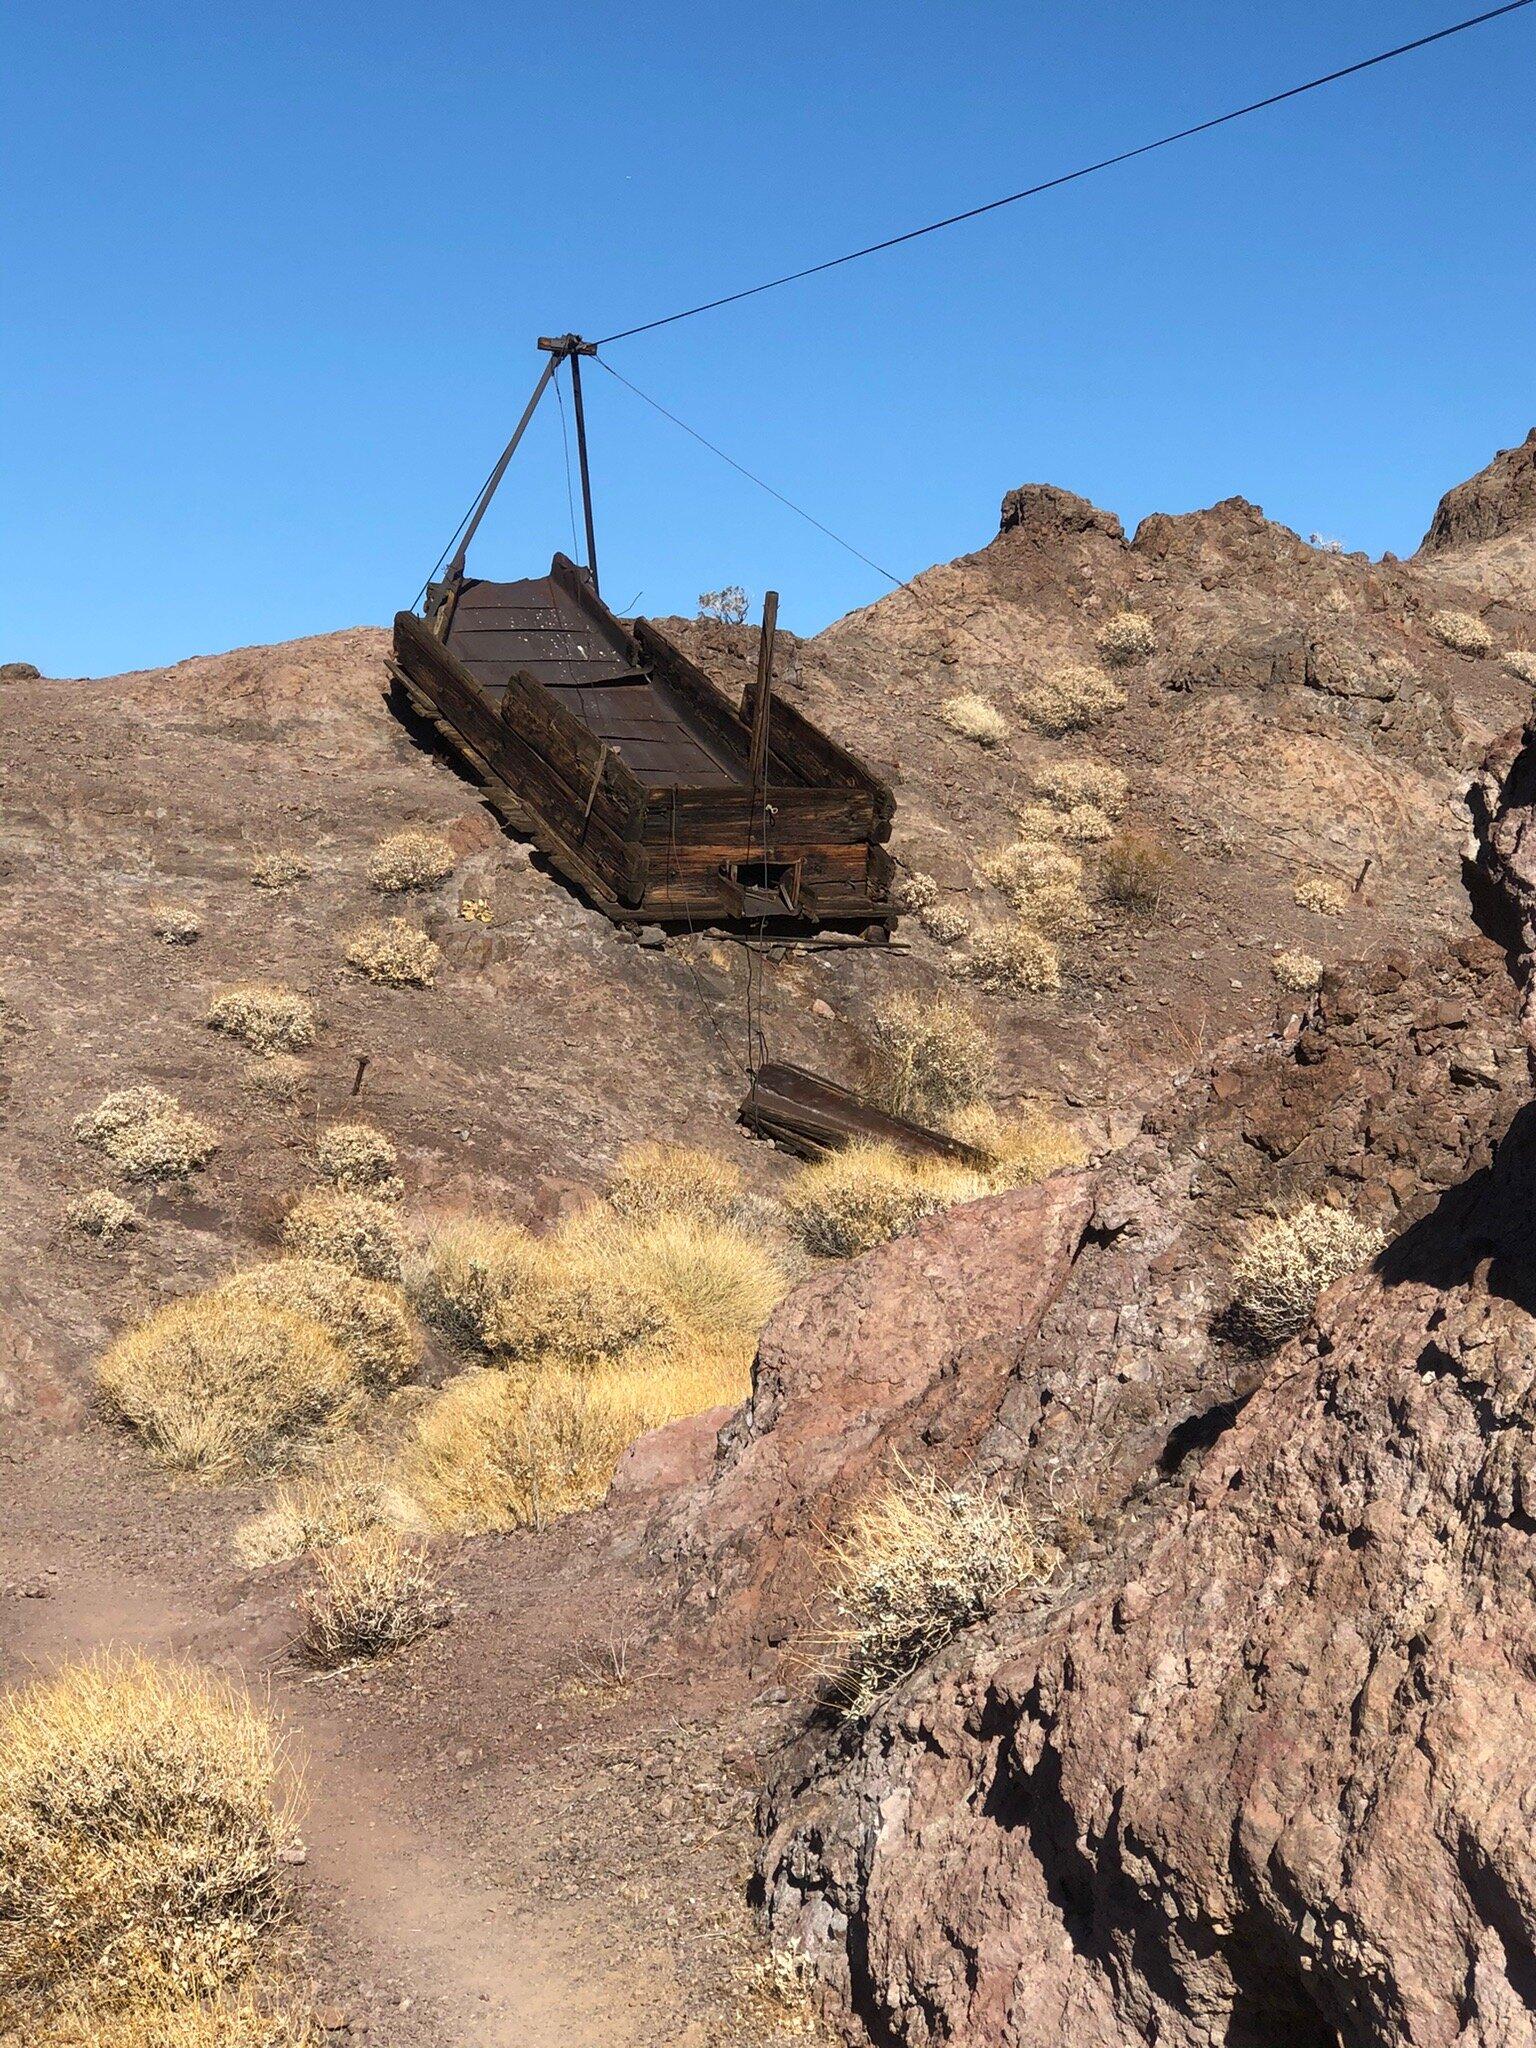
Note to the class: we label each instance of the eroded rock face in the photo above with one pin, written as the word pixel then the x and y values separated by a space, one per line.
pixel 1498 500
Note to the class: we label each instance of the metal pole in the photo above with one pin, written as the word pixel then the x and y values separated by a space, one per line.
pixel 761 704
pixel 581 456
pixel 456 566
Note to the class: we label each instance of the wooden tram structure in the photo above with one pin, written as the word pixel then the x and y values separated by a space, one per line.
pixel 627 765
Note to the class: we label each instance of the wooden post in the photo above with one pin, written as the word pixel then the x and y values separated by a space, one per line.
pixel 456 566
pixel 761 705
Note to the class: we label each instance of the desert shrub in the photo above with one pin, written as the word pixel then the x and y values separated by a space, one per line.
pixel 367 1318
pixel 358 1156
pixel 475 910
pixel 1461 632
pixel 728 606
pixel 1069 697
pixel 650 1180
pixel 177 924
pixel 346 1496
pixel 1299 972
pixel 395 953
pixel 576 1303
pixel 1288 1261
pixel 347 1229
pixel 101 1214
pixel 1521 662
pixel 143 1824
pixel 1124 638
pixel 973 718
pixel 915 892
pixel 278 869
pixel 1328 895
pixel 372 1594
pixel 146 1134
pixel 1134 872
pixel 215 1384
pixel 931 1055
pixel 1067 784
pixel 695 1277
pixel 851 1200
pixel 266 1019
pixel 412 859
pixel 1019 1149
pixel 156 2018
pixel 500 1451
pixel 918 1563
pixel 1044 883
pixel 466 1265
pixel 277 1075
pixel 1015 958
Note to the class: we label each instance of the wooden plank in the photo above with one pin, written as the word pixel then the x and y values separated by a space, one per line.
pixel 813 1116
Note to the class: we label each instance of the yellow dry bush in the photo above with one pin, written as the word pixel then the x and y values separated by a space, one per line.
pixel 372 1594
pixel 575 1302
pixel 358 1156
pixel 101 1214
pixel 693 1276
pixel 466 1266
pixel 931 1055
pixel 1044 883
pixel 1299 972
pixel 1070 697
pixel 1124 638
pixel 1328 895
pixel 176 924
pixel 412 859
pixel 1019 1149
pixel 277 1075
pixel 278 869
pixel 395 954
pixel 216 1385
pixel 502 1451
pixel 345 1497
pixel 156 2018
pixel 851 1200
pixel 650 1180
pixel 347 1229
pixel 947 923
pixel 1521 662
pixel 1133 873
pixel 146 1134
pixel 268 1020
pixel 1461 632
pixel 144 1818
pixel 1070 784
pixel 918 1563
pixel 1015 958
pixel 973 718
pixel 915 892
pixel 369 1319
pixel 1288 1261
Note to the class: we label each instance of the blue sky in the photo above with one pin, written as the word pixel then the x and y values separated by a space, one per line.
pixel 273 277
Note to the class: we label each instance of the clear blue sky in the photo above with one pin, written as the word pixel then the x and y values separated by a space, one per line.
pixel 272 277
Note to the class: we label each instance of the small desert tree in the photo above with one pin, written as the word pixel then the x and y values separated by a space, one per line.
pixel 728 605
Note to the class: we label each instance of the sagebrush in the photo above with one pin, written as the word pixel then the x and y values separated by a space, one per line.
pixel 1069 697
pixel 931 1055
pixel 347 1228
pixel 1014 958
pixel 857 1198
pixel 395 954
pixel 101 1214
pixel 1288 1261
pixel 412 859
pixel 1125 637
pixel 146 1134
pixel 359 1157
pixel 1462 632
pixel 974 718
pixel 268 1020
pixel 369 1319
pixel 372 1594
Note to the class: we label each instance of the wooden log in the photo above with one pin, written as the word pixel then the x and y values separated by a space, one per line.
pixel 813 1116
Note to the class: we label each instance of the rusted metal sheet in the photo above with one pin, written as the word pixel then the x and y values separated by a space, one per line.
pixel 812 1116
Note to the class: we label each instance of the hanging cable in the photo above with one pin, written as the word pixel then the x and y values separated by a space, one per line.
pixel 1105 163
pixel 570 495
pixel 751 476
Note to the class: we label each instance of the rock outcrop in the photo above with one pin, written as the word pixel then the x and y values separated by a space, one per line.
pixel 1498 500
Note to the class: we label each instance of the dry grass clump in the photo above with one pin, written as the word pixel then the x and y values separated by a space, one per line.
pixel 372 1594
pixel 1070 697
pixel 1015 958
pixel 347 1229
pixel 176 924
pixel 358 1156
pixel 1328 895
pixel 973 718
pixel 467 1264
pixel 268 1020
pixel 347 1496
pixel 1299 972
pixel 216 1384
pixel 1123 639
pixel 678 1275
pixel 101 1214
pixel 395 953
pixel 1461 632
pixel 947 923
pixel 369 1319
pixel 1134 872
pixel 279 869
pixel 1019 1149
pixel 1044 883
pixel 857 1198
pixel 277 1075
pixel 1288 1261
pixel 918 1563
pixel 146 1134
pixel 650 1180
pixel 931 1055
pixel 412 859
pixel 1069 784
pixel 1521 662
pixel 143 1825
pixel 155 2019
